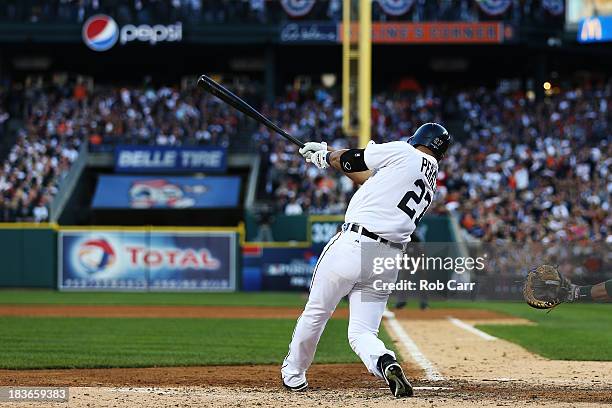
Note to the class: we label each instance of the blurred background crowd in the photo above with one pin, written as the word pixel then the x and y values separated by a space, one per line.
pixel 267 11
pixel 521 169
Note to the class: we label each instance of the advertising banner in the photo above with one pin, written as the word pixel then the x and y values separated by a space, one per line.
pixel 309 32
pixel 141 260
pixel 101 32
pixel 437 32
pixel 595 29
pixel 578 10
pixel 164 159
pixel 144 192
pixel 277 269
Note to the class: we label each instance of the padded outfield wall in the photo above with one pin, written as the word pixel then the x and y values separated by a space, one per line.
pixel 173 258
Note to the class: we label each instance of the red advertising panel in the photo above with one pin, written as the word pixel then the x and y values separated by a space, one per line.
pixel 438 32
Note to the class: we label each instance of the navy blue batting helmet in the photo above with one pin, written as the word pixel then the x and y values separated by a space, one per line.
pixel 433 136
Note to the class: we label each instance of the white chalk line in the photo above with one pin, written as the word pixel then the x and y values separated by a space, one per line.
pixel 468 327
pixel 431 373
pixel 195 391
pixel 424 388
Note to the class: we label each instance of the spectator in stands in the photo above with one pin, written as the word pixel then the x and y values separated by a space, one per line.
pixel 526 170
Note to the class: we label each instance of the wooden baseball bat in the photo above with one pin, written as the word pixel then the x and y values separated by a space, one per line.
pixel 230 98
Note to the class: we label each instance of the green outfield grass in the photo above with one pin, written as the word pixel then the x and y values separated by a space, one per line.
pixel 134 342
pixel 50 297
pixel 568 332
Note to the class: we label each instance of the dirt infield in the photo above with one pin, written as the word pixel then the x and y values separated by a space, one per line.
pixel 330 385
pixel 220 312
pixel 463 355
pixel 487 373
pixel 327 376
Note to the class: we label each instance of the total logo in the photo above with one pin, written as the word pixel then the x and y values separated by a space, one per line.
pixel 99 257
pixel 101 33
pixel 96 255
pixel 177 258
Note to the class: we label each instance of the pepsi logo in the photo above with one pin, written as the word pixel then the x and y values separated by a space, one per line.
pixel 100 32
pixel 96 255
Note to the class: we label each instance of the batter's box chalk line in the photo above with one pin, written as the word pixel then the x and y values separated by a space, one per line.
pixel 468 327
pixel 431 373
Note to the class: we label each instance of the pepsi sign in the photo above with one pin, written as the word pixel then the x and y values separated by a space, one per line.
pixel 101 33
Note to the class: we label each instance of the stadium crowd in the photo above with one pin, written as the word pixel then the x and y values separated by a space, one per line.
pixel 522 169
pixel 262 11
pixel 59 118
pixel 526 170
pixel 529 171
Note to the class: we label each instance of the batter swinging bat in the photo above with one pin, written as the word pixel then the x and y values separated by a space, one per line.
pixel 228 97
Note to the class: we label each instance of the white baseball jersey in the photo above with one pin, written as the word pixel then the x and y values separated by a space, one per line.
pixel 393 200
pixel 390 204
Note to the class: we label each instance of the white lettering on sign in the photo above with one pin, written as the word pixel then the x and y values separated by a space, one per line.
pixel 143 158
pixel 195 159
pixel 151 34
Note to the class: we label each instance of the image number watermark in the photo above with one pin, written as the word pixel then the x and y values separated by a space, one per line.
pixel 25 394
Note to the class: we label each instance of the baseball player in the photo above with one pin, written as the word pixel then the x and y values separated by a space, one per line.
pixel 601 292
pixel 546 288
pixel 398 183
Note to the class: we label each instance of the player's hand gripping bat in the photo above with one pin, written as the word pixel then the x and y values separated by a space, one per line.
pixel 228 97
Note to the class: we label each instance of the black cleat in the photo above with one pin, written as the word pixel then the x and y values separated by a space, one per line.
pixel 394 376
pixel 300 387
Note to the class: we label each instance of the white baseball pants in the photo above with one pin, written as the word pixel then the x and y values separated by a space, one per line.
pixel 338 273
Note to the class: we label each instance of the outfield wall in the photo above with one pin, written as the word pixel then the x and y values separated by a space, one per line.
pixel 283 266
pixel 161 258
pixel 28 253
pixel 148 259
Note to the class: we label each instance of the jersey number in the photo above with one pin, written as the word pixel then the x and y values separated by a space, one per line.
pixel 417 198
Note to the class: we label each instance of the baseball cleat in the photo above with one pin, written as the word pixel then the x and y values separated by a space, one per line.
pixel 300 387
pixel 394 376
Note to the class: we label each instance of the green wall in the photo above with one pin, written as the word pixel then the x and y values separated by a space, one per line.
pixel 284 227
pixel 28 257
pixel 433 228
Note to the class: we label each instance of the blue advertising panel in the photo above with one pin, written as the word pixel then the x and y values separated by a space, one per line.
pixel 141 260
pixel 309 32
pixel 277 269
pixel 163 159
pixel 595 29
pixel 144 192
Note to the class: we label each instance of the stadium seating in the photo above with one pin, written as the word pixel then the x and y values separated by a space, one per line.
pixel 520 170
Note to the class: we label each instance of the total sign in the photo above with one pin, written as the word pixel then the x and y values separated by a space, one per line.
pixel 141 260
pixel 101 33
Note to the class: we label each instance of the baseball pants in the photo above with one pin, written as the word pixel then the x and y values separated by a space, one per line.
pixel 338 273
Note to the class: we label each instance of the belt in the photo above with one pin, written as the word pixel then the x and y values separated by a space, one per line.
pixel 356 228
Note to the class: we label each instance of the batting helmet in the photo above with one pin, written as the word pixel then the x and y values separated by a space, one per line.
pixel 433 136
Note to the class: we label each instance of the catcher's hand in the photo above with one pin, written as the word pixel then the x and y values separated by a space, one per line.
pixel 546 288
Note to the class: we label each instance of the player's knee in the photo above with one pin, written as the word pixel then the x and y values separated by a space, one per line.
pixel 356 333
pixel 319 314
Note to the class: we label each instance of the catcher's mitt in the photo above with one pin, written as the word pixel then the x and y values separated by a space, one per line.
pixel 546 288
